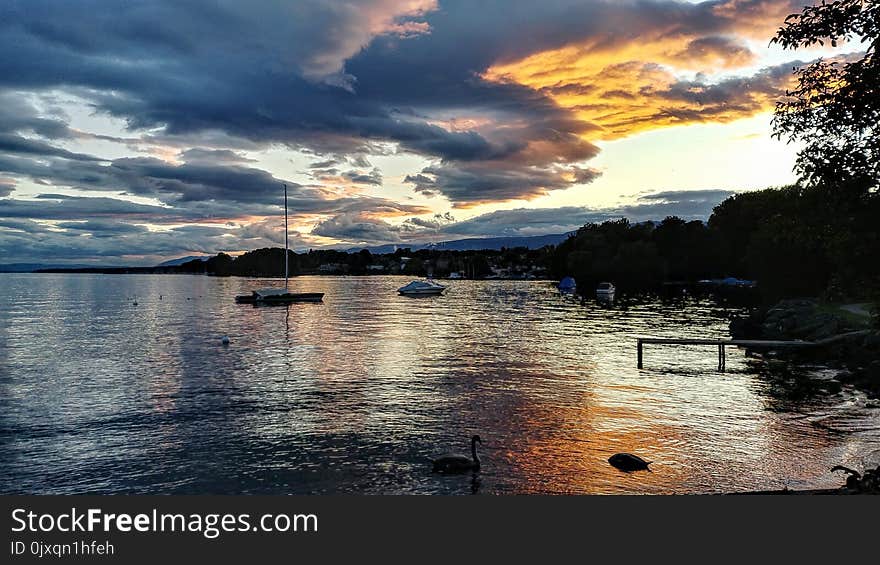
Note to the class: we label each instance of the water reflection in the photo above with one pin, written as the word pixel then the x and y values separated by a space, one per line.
pixel 358 393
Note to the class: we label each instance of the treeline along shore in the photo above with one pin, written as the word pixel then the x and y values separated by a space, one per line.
pixel 512 263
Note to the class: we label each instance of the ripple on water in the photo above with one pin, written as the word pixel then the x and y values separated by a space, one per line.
pixel 358 393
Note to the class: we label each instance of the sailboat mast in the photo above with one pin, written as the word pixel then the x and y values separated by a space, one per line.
pixel 286 252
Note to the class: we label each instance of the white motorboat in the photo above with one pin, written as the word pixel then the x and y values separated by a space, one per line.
pixel 605 290
pixel 422 288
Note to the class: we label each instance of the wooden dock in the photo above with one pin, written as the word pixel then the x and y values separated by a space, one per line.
pixel 721 344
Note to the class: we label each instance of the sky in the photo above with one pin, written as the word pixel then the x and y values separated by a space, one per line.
pixel 138 132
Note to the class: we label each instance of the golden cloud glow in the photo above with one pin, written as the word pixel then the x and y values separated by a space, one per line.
pixel 661 77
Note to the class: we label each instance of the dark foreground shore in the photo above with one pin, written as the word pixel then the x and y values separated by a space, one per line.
pixel 845 337
pixel 867 482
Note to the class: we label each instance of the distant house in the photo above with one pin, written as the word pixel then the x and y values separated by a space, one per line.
pixel 376 268
pixel 332 268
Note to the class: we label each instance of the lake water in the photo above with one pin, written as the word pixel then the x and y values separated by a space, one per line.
pixel 356 395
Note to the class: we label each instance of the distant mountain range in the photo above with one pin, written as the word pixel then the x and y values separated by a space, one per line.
pixel 34 267
pixel 182 260
pixel 474 243
pixel 31 267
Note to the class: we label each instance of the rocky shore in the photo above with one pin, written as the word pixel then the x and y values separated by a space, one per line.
pixel 842 338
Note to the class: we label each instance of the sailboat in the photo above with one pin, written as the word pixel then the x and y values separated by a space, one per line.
pixel 273 295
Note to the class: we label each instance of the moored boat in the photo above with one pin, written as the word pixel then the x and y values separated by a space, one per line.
pixel 278 296
pixel 266 296
pixel 605 290
pixel 422 288
pixel 567 285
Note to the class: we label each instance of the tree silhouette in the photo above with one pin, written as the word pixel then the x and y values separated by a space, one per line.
pixel 835 108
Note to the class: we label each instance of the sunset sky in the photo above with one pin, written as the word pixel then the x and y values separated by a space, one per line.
pixel 135 132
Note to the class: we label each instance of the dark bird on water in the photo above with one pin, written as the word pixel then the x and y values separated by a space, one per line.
pixel 853 478
pixel 628 462
pixel 458 463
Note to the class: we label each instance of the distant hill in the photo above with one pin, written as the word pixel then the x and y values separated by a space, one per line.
pixel 474 244
pixel 182 260
pixel 32 267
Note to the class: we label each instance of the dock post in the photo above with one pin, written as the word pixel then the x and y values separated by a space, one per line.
pixel 721 357
pixel 640 353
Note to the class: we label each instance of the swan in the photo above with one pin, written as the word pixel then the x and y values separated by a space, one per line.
pixel 458 463
pixel 628 462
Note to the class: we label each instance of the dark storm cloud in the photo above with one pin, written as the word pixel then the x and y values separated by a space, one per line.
pixel 686 204
pixel 732 95
pixel 67 208
pixel 213 156
pixel 110 241
pixel 373 177
pixel 102 228
pixel 359 228
pixel 327 164
pixel 332 175
pixel 526 221
pixel 18 114
pixel 6 187
pixel 24 225
pixel 64 207
pixel 24 133
pixel 726 49
pixel 197 181
pixel 468 184
pixel 691 196
pixel 224 183
pixel 102 247
pixel 17 144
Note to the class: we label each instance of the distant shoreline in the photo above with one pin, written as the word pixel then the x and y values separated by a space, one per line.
pixel 162 271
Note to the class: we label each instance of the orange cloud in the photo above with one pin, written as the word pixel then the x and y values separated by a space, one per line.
pixel 628 98
pixel 626 83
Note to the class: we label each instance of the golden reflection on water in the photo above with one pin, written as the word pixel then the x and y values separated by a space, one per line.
pixel 358 393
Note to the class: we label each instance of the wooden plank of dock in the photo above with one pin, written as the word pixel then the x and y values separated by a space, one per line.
pixel 749 343
pixel 721 344
pixel 738 342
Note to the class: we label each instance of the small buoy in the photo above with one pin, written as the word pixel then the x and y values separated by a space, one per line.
pixel 135 303
pixel 225 340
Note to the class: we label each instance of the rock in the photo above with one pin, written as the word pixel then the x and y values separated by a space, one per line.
pixel 820 327
pixel 866 378
pixel 840 341
pixel 872 341
pixel 748 327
